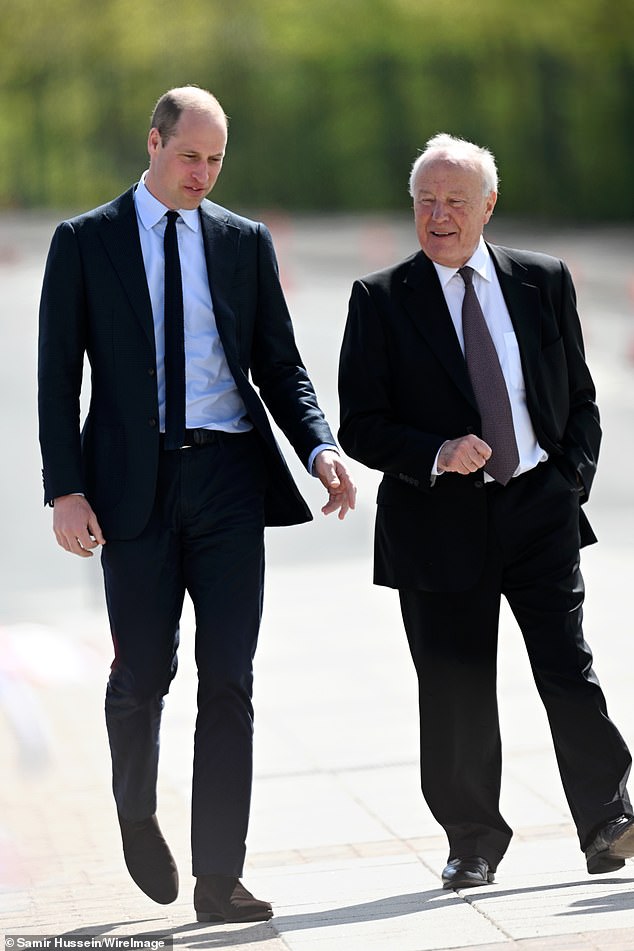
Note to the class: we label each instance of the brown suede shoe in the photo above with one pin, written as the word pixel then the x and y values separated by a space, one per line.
pixel 225 899
pixel 149 860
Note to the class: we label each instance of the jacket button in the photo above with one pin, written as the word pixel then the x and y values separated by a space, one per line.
pixel 152 422
pixel 151 371
pixel 479 484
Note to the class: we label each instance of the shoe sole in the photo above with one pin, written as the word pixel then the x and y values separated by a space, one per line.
pixel 602 863
pixel 469 883
pixel 209 918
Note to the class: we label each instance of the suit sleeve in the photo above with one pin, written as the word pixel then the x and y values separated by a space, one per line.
pixel 276 366
pixel 61 350
pixel 373 429
pixel 582 436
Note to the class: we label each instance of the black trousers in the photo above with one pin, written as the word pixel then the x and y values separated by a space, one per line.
pixel 206 536
pixel 533 560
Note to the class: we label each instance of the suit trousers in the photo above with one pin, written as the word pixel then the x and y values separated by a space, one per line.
pixel 532 558
pixel 205 536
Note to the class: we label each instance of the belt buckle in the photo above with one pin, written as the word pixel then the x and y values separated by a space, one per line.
pixel 199 437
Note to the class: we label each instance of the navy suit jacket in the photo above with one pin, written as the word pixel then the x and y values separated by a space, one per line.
pixel 404 390
pixel 95 302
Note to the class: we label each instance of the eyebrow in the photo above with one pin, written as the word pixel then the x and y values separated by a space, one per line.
pixel 191 151
pixel 451 194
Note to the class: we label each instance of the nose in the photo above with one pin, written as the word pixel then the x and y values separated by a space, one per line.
pixel 199 172
pixel 439 211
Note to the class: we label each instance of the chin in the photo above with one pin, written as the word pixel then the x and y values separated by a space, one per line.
pixel 443 259
pixel 444 252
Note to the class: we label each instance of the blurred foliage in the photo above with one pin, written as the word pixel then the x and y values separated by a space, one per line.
pixel 329 101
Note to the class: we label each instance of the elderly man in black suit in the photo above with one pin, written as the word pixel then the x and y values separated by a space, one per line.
pixel 463 379
pixel 177 303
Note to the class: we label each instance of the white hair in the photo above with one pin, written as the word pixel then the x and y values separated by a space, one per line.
pixel 460 152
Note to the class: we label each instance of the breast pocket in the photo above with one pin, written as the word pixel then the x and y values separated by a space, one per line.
pixel 513 361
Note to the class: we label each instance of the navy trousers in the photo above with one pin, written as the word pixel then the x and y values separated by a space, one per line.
pixel 206 537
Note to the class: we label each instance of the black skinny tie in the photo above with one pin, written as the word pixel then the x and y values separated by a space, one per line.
pixel 174 339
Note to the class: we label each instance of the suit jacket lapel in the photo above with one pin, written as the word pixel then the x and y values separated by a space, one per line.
pixel 120 235
pixel 221 241
pixel 426 305
pixel 524 306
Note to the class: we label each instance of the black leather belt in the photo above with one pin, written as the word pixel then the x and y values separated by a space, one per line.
pixel 194 438
pixel 540 467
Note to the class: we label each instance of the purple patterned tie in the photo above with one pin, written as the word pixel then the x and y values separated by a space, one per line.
pixel 488 385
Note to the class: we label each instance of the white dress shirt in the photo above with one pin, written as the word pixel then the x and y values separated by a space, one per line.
pixel 496 315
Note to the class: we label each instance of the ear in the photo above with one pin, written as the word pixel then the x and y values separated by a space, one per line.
pixel 153 141
pixel 492 197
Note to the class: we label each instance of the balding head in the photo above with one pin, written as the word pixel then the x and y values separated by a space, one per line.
pixel 174 102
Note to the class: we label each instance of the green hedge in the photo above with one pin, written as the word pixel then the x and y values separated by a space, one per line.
pixel 329 101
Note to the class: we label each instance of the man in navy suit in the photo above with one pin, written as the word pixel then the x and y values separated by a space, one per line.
pixel 177 509
pixel 481 498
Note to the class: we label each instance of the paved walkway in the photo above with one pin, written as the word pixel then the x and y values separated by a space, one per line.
pixel 340 839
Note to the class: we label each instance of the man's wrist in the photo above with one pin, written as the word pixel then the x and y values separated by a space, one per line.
pixel 435 471
pixel 315 453
pixel 53 501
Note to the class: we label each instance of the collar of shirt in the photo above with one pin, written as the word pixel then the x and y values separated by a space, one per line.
pixel 150 210
pixel 480 261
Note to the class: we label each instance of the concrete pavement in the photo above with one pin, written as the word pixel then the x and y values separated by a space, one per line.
pixel 340 839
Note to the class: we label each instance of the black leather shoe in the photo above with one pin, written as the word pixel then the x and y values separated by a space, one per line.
pixel 149 860
pixel 225 899
pixel 611 846
pixel 467 873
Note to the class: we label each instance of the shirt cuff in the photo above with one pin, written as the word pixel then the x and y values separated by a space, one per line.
pixel 315 453
pixel 435 471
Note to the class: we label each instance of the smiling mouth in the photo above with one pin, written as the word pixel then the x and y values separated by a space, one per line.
pixel 442 234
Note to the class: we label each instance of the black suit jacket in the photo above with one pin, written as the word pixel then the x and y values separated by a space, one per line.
pixel 95 301
pixel 404 390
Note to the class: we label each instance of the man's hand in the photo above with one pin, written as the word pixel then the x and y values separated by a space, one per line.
pixel 335 477
pixel 75 525
pixel 464 455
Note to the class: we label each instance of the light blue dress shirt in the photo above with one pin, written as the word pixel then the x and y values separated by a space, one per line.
pixel 212 397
